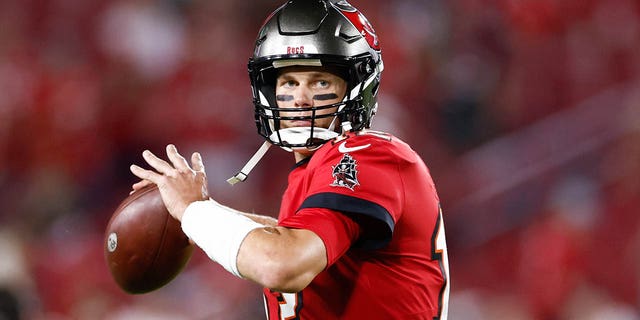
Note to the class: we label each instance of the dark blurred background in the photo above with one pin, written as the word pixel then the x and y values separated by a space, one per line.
pixel 526 111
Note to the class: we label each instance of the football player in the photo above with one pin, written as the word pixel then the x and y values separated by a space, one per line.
pixel 360 233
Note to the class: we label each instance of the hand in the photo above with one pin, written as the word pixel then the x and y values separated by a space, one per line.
pixel 179 184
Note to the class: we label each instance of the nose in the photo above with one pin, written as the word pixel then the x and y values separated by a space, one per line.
pixel 303 97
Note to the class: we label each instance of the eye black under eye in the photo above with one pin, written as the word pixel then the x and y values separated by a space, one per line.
pixel 326 96
pixel 284 97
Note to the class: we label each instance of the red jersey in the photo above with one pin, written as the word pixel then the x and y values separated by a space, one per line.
pixel 372 201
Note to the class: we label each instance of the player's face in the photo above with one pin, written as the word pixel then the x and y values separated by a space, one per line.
pixel 305 87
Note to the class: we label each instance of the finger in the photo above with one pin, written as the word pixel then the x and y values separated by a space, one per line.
pixel 145 174
pixel 157 163
pixel 139 185
pixel 196 162
pixel 179 162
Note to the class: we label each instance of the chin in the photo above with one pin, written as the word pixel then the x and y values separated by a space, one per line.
pixel 304 151
pixel 296 124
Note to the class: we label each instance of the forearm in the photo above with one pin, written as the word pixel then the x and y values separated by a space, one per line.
pixel 261 219
pixel 218 231
pixel 267 221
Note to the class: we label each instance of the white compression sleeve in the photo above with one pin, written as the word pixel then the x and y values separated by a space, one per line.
pixel 218 231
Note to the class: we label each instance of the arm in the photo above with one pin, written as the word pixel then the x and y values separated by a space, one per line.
pixel 280 258
pixel 251 245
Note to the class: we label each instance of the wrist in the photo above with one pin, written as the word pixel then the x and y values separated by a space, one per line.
pixel 219 231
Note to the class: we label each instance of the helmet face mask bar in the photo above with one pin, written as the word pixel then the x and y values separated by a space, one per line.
pixel 322 33
pixel 297 137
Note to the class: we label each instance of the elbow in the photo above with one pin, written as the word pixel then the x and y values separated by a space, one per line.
pixel 283 277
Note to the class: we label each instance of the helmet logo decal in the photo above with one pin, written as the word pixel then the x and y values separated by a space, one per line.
pixel 295 50
pixel 360 22
pixel 345 173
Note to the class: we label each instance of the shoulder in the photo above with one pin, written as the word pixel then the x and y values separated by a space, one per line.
pixel 369 143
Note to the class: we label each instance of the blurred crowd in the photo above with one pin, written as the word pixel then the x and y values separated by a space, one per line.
pixel 526 111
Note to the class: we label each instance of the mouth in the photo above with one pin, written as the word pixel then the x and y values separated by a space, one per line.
pixel 302 136
pixel 298 123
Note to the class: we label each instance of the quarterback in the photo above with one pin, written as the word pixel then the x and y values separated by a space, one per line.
pixel 360 233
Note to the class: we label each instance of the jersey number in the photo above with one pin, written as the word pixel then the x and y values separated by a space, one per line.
pixel 288 305
pixel 439 252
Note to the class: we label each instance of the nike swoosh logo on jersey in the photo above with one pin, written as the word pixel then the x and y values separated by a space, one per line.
pixel 344 149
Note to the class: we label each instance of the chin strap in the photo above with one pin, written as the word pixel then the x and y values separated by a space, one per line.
pixel 244 172
pixel 293 134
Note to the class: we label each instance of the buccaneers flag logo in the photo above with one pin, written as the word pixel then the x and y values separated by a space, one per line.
pixel 360 22
pixel 345 173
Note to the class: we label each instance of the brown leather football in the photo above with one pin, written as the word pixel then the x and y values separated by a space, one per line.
pixel 145 247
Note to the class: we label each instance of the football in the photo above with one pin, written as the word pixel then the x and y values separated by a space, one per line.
pixel 145 247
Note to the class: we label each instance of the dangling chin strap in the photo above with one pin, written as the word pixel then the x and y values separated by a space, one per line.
pixel 244 172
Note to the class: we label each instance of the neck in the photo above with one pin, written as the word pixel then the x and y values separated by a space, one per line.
pixel 299 156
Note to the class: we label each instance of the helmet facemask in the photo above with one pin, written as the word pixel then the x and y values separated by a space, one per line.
pixel 351 114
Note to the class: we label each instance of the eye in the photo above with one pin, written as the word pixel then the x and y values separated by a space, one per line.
pixel 323 83
pixel 288 84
